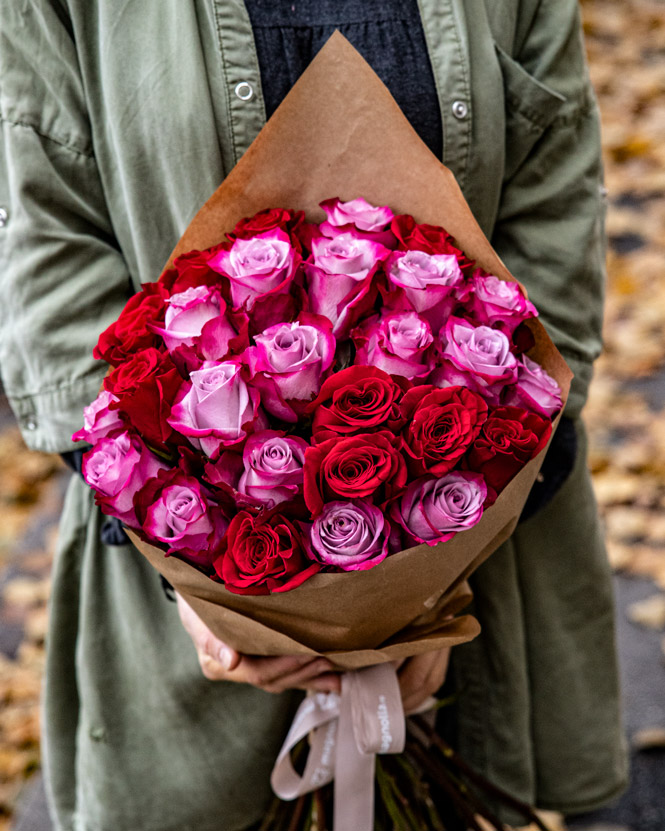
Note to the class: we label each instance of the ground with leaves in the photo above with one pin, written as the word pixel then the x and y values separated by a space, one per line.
pixel 625 414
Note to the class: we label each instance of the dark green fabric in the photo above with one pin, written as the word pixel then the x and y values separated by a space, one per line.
pixel 117 121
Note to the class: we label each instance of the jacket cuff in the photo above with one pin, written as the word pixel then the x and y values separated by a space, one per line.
pixel 48 419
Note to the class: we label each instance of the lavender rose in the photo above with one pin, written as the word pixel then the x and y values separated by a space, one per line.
pixel 265 264
pixel 535 389
pixel 478 357
pixel 399 344
pixel 99 420
pixel 216 408
pixel 350 535
pixel 429 282
pixel 434 510
pixel 273 467
pixel 340 273
pixel 116 469
pixel 500 302
pixel 289 363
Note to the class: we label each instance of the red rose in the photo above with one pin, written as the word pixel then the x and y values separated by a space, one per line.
pixel 414 236
pixel 510 437
pixel 146 386
pixel 357 400
pixel 132 332
pixel 284 218
pixel 442 424
pixel 191 269
pixel 262 555
pixel 366 465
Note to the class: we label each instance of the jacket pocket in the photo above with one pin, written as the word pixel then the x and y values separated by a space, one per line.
pixel 530 109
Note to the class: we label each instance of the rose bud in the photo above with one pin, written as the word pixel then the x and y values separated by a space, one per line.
pixel 289 363
pixel 499 303
pixel 509 438
pixel 177 510
pixel 263 265
pixel 441 426
pixel 396 343
pixel 132 331
pixel 368 465
pixel 340 279
pixel 273 467
pixel 434 510
pixel 263 554
pixel 352 536
pixel 429 281
pixel 480 356
pixel 535 389
pixel 116 468
pixel 216 408
pixel 99 420
pixel 145 387
pixel 359 399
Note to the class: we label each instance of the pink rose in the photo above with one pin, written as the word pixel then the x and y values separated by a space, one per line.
pixel 116 469
pixel 340 279
pixel 399 344
pixel 289 363
pixel 350 535
pixel 500 302
pixel 273 467
pixel 98 420
pixel 475 356
pixel 216 408
pixel 357 212
pixel 177 510
pixel 265 264
pixel 360 219
pixel 429 282
pixel 187 313
pixel 434 510
pixel 535 390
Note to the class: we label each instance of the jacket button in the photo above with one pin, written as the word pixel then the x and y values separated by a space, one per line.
pixel 244 91
pixel 30 423
pixel 4 216
pixel 460 109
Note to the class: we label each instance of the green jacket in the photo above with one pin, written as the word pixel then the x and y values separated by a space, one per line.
pixel 118 121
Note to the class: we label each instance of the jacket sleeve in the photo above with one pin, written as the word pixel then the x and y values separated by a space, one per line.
pixel 549 228
pixel 62 277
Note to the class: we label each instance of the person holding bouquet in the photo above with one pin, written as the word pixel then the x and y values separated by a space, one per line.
pixel 118 121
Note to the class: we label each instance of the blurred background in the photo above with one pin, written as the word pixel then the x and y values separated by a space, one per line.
pixel 625 415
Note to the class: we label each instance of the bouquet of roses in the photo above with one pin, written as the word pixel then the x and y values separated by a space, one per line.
pixel 326 415
pixel 315 396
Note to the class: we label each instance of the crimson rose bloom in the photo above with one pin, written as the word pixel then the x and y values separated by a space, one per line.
pixel 414 236
pixel 442 424
pixel 357 400
pixel 145 387
pixel 510 437
pixel 132 332
pixel 284 218
pixel 263 554
pixel 366 465
pixel 191 270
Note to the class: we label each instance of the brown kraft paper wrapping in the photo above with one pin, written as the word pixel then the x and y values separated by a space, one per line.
pixel 340 133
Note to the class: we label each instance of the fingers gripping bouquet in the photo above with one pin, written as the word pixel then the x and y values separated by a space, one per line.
pixel 328 410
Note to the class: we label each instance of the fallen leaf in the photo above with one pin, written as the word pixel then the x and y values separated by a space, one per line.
pixel 649 612
pixel 649 738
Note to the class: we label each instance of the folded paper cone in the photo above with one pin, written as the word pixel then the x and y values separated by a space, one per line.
pixel 340 133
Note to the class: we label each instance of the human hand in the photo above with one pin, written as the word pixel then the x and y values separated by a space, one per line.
pixel 421 676
pixel 275 675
